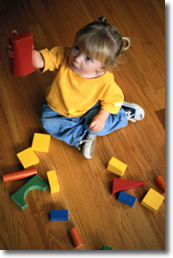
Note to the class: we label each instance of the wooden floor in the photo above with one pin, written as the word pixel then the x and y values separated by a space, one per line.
pixel 85 185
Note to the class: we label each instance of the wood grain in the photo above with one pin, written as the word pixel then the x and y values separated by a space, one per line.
pixel 85 185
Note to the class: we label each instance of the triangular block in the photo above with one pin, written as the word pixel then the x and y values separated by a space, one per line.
pixel 124 184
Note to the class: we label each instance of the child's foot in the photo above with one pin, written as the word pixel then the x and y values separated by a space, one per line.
pixel 87 146
pixel 133 111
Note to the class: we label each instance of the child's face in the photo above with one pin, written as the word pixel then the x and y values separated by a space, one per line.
pixel 84 65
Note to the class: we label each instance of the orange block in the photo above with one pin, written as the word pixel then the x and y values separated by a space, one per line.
pixel 19 174
pixel 161 182
pixel 75 237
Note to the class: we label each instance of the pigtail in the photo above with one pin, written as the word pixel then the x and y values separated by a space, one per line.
pixel 127 45
pixel 102 19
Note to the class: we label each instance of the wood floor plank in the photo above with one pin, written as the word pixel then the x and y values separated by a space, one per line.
pixel 85 185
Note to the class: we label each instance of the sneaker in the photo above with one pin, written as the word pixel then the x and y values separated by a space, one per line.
pixel 87 146
pixel 133 111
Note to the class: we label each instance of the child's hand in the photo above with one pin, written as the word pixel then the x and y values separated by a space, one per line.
pixel 96 125
pixel 9 47
pixel 98 121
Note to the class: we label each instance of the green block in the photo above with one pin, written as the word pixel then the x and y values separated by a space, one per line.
pixel 107 248
pixel 35 183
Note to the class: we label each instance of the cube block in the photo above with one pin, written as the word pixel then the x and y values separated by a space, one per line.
pixel 152 200
pixel 53 181
pixel 28 158
pixel 41 142
pixel 58 215
pixel 116 166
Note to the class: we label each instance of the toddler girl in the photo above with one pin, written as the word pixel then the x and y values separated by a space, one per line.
pixel 84 100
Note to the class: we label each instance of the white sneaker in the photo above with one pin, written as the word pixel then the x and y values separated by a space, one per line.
pixel 133 111
pixel 87 146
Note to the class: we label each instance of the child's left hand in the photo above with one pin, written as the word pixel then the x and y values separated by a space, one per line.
pixel 98 122
pixel 96 125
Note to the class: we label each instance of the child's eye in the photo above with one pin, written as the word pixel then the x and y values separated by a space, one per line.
pixel 77 48
pixel 89 59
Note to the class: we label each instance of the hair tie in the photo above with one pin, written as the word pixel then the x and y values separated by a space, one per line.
pixel 128 43
pixel 102 19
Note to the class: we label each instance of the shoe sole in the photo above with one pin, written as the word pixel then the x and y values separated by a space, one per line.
pixel 88 148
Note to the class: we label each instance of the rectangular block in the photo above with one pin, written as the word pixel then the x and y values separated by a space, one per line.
pixel 53 181
pixel 41 142
pixel 22 45
pixel 58 215
pixel 105 247
pixel 116 166
pixel 127 199
pixel 28 158
pixel 152 200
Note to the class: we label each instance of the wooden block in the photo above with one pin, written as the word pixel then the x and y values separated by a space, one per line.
pixel 28 158
pixel 58 215
pixel 107 248
pixel 75 237
pixel 123 184
pixel 152 200
pixel 22 45
pixel 41 142
pixel 35 182
pixel 19 174
pixel 127 199
pixel 161 182
pixel 116 166
pixel 53 181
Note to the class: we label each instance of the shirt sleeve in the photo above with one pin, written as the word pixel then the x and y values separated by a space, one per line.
pixel 53 58
pixel 112 98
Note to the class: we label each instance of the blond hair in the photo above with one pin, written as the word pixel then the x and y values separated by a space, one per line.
pixel 102 42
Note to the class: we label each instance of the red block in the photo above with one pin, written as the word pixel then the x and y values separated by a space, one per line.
pixel 123 184
pixel 19 174
pixel 161 182
pixel 22 45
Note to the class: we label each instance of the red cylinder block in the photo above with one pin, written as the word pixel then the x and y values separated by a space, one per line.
pixel 161 182
pixel 75 237
pixel 19 174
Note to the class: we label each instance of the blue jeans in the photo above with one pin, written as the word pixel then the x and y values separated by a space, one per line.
pixel 73 129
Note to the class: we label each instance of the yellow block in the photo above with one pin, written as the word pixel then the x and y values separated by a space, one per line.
pixel 41 142
pixel 116 166
pixel 28 158
pixel 152 200
pixel 53 181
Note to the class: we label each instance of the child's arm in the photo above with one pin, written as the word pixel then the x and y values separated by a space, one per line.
pixel 37 60
pixel 98 122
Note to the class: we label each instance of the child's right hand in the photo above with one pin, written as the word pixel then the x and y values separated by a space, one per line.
pixel 9 46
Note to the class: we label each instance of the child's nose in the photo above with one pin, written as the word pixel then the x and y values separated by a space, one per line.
pixel 78 58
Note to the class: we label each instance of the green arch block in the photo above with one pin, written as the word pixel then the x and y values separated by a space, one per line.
pixel 35 183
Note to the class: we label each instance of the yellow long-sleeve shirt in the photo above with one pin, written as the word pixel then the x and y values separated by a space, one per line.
pixel 72 95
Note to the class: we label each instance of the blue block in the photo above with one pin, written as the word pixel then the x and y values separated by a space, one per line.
pixel 58 215
pixel 127 199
